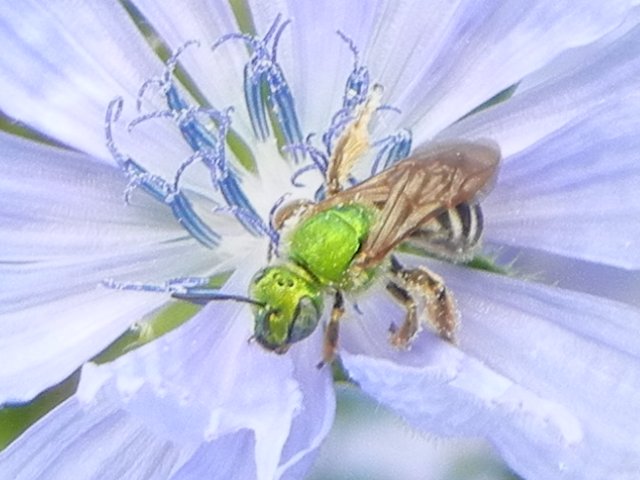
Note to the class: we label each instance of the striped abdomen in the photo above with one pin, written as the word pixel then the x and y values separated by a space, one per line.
pixel 453 235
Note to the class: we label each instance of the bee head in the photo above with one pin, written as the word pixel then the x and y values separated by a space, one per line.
pixel 290 307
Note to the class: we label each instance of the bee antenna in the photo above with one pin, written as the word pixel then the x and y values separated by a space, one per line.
pixel 202 296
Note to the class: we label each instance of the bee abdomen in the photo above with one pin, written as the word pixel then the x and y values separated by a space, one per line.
pixel 454 235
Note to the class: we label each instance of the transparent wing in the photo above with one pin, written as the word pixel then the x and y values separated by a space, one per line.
pixel 418 189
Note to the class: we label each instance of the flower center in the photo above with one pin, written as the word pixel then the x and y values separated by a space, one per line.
pixel 271 107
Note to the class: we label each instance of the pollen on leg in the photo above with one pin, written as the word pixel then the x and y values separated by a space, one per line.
pixel 440 308
pixel 442 313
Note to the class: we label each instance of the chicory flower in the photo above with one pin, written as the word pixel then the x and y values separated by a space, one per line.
pixel 550 376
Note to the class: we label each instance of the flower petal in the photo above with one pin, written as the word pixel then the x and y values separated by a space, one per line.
pixel 225 458
pixel 551 377
pixel 312 424
pixel 603 74
pixel 205 380
pixel 60 71
pixel 574 193
pixel 571 274
pixel 97 441
pixel 65 229
pixel 461 54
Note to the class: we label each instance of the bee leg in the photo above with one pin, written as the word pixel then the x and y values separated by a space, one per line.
pixel 401 337
pixel 332 330
pixel 440 306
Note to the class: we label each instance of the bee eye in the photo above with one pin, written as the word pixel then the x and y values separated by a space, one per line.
pixel 305 320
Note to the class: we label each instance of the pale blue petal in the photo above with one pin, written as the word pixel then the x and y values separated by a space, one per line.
pixel 606 74
pixel 226 458
pixel 64 229
pixel 571 274
pixel 205 380
pixel 569 179
pixel 42 345
pixel 312 424
pixel 576 58
pixel 428 72
pixel 551 377
pixel 62 66
pixel 574 193
pixel 440 62
pixel 61 205
pixel 98 441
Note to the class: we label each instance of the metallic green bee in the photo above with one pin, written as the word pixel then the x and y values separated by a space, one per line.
pixel 344 242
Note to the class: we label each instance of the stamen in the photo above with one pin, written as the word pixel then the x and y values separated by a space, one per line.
pixel 352 46
pixel 352 143
pixel 164 81
pixel 180 284
pixel 263 72
pixel 394 148
pixel 208 146
pixel 275 208
pixel 246 216
pixel 275 233
pixel 317 157
pixel 300 172
pixel 188 288
pixel 274 27
pixel 152 82
pixel 154 185
pixel 255 104
pixel 150 116
pixel 357 85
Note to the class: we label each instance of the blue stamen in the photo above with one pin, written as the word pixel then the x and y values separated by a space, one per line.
pixel 273 29
pixel 169 286
pixel 275 234
pixel 155 186
pixel 150 116
pixel 356 93
pixel 317 157
pixel 164 81
pixel 356 88
pixel 247 216
pixel 301 171
pixel 394 148
pixel 152 82
pixel 282 105
pixel 357 85
pixel 263 71
pixel 208 147
pixel 255 105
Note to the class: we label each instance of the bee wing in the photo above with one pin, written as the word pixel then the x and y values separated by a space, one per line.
pixel 417 189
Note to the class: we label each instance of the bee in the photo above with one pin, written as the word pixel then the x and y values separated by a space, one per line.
pixel 344 242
